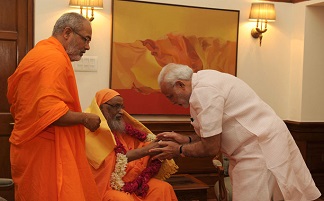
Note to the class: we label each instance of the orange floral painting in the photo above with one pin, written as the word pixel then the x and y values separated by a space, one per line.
pixel 147 36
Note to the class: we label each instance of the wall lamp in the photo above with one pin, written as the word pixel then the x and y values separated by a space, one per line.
pixel 87 5
pixel 262 13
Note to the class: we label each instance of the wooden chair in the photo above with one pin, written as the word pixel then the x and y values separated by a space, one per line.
pixel 5 184
pixel 223 187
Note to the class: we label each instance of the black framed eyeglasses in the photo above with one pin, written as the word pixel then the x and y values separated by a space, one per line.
pixel 87 40
pixel 116 106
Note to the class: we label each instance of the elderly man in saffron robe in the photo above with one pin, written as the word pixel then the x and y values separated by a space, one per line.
pixel 119 157
pixel 47 153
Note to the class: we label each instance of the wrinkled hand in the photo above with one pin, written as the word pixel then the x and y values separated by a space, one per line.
pixel 91 121
pixel 167 150
pixel 153 145
pixel 172 136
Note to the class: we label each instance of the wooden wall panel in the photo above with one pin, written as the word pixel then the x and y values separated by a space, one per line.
pixel 16 39
pixel 311 136
pixel 8 57
pixel 8 21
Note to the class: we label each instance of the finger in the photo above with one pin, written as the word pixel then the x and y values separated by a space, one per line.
pixel 155 157
pixel 165 143
pixel 161 135
pixel 165 133
pixel 155 150
pixel 170 135
pixel 94 128
pixel 159 157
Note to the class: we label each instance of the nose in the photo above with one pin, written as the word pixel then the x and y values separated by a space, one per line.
pixel 87 46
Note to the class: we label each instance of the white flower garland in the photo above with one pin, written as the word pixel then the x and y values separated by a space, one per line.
pixel 116 177
pixel 150 137
pixel 116 181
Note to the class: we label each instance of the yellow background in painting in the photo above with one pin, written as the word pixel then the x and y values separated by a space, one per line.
pixel 139 21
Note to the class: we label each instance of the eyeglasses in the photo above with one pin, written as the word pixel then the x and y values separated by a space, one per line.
pixel 116 106
pixel 87 40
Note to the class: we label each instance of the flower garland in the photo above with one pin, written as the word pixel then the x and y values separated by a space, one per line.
pixel 138 186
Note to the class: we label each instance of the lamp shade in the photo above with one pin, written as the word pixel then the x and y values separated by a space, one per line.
pixel 97 4
pixel 263 11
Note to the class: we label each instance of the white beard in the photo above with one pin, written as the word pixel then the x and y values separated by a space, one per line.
pixel 117 126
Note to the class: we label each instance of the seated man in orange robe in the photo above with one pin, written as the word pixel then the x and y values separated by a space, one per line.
pixel 118 153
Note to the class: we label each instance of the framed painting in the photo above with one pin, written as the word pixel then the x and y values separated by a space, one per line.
pixel 146 36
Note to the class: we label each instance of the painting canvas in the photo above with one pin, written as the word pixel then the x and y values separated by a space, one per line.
pixel 146 36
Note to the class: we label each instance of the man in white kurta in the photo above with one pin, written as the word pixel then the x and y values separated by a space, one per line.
pixel 265 162
pixel 261 150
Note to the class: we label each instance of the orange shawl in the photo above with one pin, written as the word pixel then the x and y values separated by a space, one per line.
pixel 101 155
pixel 40 91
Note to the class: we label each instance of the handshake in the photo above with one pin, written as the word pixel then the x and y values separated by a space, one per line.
pixel 168 145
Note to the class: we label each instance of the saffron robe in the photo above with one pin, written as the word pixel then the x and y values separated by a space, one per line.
pixel 102 157
pixel 47 162
pixel 158 190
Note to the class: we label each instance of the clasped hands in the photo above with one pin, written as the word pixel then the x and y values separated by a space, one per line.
pixel 169 143
pixel 91 121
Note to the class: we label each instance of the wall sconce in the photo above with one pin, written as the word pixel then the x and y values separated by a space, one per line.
pixel 87 5
pixel 262 13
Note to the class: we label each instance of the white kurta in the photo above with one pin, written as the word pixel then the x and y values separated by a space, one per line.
pixel 263 155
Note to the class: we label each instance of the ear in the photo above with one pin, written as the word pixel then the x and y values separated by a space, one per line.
pixel 67 32
pixel 180 84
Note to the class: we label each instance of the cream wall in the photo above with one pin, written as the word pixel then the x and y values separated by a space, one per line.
pixel 306 94
pixel 313 71
pixel 274 71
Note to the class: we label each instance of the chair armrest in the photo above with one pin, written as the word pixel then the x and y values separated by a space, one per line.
pixel 5 182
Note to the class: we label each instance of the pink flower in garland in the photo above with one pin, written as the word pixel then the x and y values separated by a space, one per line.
pixel 143 190
pixel 130 186
pixel 119 147
pixel 135 133
pixel 138 186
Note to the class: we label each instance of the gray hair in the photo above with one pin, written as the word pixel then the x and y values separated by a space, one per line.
pixel 173 72
pixel 73 20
